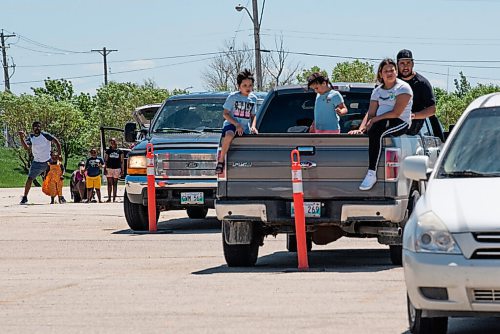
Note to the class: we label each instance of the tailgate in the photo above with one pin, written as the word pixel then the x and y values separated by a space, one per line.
pixel 259 166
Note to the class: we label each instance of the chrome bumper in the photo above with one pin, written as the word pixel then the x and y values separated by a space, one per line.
pixel 394 212
pixel 241 211
pixel 134 185
pixel 464 279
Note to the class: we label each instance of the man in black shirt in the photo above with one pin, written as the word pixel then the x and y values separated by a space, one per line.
pixel 424 102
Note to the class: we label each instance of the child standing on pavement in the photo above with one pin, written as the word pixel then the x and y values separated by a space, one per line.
pixel 53 182
pixel 93 168
pixel 239 114
pixel 328 107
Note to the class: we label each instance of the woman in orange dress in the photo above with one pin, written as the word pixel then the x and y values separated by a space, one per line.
pixel 54 178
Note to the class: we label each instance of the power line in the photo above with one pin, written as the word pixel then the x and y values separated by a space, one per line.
pixel 119 72
pixel 46 46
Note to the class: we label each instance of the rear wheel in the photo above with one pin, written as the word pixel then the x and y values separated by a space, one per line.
pixel 291 242
pixel 396 251
pixel 421 325
pixel 137 215
pixel 242 255
pixel 197 212
pixel 396 254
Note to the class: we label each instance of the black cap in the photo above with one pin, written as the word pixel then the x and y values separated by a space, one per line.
pixel 81 163
pixel 404 54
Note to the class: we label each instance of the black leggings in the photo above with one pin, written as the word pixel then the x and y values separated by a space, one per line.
pixel 392 126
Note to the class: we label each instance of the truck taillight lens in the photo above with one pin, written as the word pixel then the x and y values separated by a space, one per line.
pixel 221 176
pixel 392 163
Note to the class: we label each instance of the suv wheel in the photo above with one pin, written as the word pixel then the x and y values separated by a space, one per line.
pixel 421 325
pixel 137 215
pixel 196 212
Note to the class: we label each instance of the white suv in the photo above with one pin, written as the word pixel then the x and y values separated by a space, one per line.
pixel 451 243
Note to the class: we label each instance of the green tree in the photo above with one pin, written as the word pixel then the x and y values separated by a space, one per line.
pixel 60 89
pixel 355 71
pixel 462 86
pixel 302 77
pixel 60 118
pixel 115 102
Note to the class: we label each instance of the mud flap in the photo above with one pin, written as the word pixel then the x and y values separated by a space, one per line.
pixel 237 232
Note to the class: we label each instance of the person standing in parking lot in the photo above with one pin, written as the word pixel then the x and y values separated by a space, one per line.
pixel 424 102
pixel 113 159
pixel 39 144
pixel 93 175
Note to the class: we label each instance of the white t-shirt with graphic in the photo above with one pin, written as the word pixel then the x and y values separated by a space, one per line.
pixel 386 99
pixel 40 146
pixel 241 108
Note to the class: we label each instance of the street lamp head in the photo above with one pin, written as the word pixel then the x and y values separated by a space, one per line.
pixel 239 8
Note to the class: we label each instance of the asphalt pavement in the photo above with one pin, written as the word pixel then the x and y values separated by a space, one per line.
pixel 77 268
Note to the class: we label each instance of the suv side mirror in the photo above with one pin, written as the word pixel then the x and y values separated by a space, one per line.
pixel 130 132
pixel 415 167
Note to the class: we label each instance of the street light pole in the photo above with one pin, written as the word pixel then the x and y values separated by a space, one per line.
pixel 256 35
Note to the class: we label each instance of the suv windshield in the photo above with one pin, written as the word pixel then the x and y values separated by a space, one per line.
pixel 190 115
pixel 297 109
pixel 474 150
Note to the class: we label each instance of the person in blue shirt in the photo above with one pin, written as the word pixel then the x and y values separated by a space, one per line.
pixel 239 115
pixel 328 107
pixel 93 167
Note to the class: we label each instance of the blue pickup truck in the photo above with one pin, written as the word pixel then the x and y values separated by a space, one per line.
pixel 185 134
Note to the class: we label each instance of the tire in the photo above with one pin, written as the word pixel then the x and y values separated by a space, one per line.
pixel 396 251
pixel 291 242
pixel 196 212
pixel 421 325
pixel 396 254
pixel 137 215
pixel 242 255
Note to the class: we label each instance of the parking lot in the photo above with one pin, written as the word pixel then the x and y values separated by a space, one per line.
pixel 77 268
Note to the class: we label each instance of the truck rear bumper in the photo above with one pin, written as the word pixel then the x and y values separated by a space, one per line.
pixel 335 212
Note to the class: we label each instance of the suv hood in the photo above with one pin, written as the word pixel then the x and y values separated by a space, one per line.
pixel 164 140
pixel 464 204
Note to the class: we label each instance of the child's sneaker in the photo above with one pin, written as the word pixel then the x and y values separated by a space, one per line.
pixel 52 201
pixel 24 200
pixel 62 200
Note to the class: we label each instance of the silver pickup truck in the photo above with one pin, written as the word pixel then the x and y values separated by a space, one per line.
pixel 185 133
pixel 254 195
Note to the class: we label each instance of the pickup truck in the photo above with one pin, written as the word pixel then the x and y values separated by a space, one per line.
pixel 185 133
pixel 254 195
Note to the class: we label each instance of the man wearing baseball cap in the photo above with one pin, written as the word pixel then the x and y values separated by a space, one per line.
pixel 424 102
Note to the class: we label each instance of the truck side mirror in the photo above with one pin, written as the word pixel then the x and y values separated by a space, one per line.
pixel 130 132
pixel 415 167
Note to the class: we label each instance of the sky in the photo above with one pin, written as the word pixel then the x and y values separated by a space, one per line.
pixel 155 38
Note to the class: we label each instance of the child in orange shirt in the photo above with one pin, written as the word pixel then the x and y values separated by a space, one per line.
pixel 54 180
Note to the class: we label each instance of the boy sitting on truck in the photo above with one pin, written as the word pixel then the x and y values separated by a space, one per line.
pixel 239 115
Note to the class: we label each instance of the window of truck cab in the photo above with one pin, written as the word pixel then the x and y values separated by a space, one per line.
pixel 191 114
pixel 290 109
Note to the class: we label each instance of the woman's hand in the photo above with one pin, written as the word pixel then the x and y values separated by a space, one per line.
pixel 371 121
pixel 359 131
pixel 254 130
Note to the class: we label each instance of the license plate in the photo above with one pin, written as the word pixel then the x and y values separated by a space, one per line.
pixel 192 198
pixel 311 209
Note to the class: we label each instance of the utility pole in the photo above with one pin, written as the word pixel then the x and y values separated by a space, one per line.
pixel 256 35
pixel 4 61
pixel 105 52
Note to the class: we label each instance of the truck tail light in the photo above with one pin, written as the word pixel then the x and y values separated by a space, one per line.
pixel 221 176
pixel 392 163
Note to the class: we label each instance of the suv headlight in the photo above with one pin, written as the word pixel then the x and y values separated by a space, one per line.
pixel 137 165
pixel 432 236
